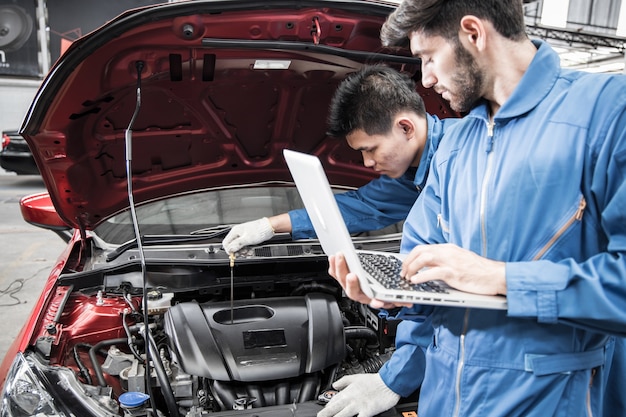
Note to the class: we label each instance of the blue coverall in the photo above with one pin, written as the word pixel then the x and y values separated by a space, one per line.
pixel 542 189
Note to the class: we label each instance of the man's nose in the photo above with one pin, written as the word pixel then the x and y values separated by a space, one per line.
pixel 428 78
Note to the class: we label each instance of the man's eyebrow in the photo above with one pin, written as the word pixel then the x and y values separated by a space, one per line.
pixel 417 53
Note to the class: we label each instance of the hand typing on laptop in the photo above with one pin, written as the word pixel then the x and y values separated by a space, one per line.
pixel 459 268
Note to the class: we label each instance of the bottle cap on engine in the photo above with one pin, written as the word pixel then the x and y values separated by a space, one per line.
pixel 133 399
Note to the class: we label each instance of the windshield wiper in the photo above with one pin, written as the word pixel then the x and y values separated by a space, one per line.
pixel 216 230
pixel 162 240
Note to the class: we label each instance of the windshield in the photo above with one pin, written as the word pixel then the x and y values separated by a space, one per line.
pixel 185 214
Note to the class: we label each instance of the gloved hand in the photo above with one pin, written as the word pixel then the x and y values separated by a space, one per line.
pixel 364 395
pixel 246 234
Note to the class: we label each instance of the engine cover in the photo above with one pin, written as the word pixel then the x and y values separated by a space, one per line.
pixel 259 340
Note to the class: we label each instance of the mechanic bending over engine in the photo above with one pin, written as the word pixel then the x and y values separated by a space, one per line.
pixel 399 144
pixel 526 197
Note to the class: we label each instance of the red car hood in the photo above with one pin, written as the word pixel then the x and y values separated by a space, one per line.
pixel 224 87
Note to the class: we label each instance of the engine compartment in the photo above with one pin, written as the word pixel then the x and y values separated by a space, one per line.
pixel 279 343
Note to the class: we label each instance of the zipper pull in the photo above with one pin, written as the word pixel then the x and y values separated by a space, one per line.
pixel 581 209
pixel 490 126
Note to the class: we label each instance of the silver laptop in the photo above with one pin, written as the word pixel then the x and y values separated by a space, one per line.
pixel 378 272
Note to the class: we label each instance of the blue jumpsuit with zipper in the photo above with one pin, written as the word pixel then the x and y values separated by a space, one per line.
pixel 542 188
pixel 380 203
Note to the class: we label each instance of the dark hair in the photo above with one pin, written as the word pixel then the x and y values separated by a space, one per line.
pixel 369 100
pixel 442 18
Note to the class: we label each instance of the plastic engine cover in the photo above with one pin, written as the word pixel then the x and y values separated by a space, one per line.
pixel 259 340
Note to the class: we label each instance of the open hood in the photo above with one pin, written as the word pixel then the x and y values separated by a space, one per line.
pixel 224 86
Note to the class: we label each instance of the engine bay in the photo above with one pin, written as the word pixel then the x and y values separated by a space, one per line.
pixel 273 342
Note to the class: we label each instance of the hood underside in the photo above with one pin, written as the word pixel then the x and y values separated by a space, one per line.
pixel 207 93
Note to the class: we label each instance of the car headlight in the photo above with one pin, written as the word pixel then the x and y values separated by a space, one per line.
pixel 25 394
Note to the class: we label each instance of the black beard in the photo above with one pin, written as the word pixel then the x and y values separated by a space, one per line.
pixel 468 78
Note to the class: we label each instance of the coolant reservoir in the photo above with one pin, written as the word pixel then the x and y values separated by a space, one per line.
pixel 134 403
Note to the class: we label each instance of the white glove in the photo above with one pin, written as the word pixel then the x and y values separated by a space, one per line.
pixel 364 395
pixel 246 234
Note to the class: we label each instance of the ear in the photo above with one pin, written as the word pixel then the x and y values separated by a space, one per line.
pixel 407 126
pixel 472 32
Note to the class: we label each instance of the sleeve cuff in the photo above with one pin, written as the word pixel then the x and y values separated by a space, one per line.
pixel 301 226
pixel 532 289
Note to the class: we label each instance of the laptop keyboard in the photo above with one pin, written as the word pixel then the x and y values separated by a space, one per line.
pixel 386 270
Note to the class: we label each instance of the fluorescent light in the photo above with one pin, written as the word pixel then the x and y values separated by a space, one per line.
pixel 554 13
pixel 271 64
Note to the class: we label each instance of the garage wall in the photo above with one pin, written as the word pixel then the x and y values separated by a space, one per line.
pixel 15 97
pixel 53 24
pixel 21 69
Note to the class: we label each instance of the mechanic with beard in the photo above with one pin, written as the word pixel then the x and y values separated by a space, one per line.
pixel 381 115
pixel 526 197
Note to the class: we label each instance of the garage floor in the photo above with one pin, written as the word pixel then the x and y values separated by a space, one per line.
pixel 27 254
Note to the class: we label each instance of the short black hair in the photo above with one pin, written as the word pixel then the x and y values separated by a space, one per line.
pixel 443 17
pixel 370 98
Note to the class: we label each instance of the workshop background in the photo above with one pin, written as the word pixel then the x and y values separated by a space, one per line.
pixel 589 34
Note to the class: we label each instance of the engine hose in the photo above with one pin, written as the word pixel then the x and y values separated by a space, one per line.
pixel 166 388
pixel 97 369
pixel 317 287
pixel 84 371
pixel 361 332
pixel 131 342
pixel 372 365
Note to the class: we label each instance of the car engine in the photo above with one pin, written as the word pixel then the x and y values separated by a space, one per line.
pixel 279 342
